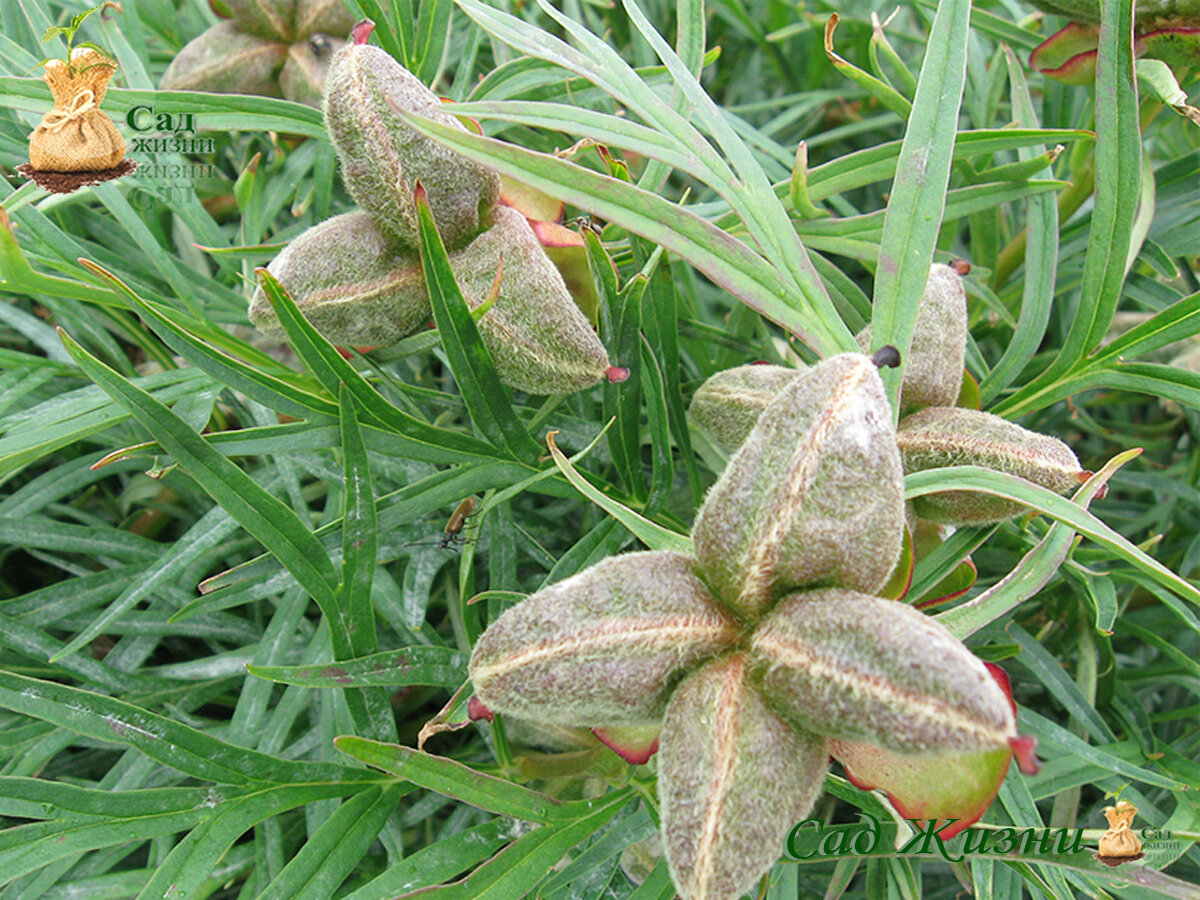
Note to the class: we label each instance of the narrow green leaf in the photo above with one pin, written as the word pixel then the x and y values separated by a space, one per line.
pixel 1011 487
pixel 359 536
pixel 652 535
pixel 915 208
pixel 171 743
pixel 265 517
pixel 334 370
pixel 439 666
pixel 488 401
pixel 453 779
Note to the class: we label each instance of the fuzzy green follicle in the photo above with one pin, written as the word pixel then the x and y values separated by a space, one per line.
pixel 933 438
pixel 383 159
pixel 860 668
pixel 814 496
pixel 603 647
pixel 351 281
pixel 733 779
pixel 933 367
pixel 728 404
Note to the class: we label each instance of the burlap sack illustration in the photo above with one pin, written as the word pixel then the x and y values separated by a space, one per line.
pixel 76 135
pixel 1120 841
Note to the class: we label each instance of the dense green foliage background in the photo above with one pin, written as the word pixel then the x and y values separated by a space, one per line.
pixel 139 756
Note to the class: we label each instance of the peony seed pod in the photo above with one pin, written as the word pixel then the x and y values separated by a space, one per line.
pixel 536 334
pixel 858 668
pixel 330 17
pixel 272 20
pixel 728 404
pixel 225 60
pixel 604 646
pixel 383 159
pixel 932 438
pixel 733 779
pixel 933 369
pixel 303 75
pixel 351 281
pixel 815 496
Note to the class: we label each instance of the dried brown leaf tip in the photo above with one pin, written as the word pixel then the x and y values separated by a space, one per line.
pixel 765 650
pixel 274 48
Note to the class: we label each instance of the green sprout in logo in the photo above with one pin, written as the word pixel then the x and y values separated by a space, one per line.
pixel 68 32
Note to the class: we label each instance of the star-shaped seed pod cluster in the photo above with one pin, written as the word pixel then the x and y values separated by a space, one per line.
pixel 933 430
pixel 275 48
pixel 358 278
pixel 767 650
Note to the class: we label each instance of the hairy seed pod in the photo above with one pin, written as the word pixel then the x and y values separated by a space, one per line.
pixel 728 404
pixel 303 75
pixel 932 438
pixel 272 20
pixel 859 668
pixel 535 333
pixel 224 60
pixel 815 495
pixel 603 647
pixel 383 159
pixel 351 281
pixel 330 17
pixel 733 779
pixel 933 369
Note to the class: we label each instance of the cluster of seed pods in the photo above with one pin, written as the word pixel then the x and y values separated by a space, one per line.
pixel 358 277
pixel 933 431
pixel 767 651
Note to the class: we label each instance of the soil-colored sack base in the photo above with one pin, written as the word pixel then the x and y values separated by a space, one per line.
pixel 66 182
pixel 1117 860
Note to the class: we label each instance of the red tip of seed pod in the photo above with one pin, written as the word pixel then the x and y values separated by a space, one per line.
pixel 362 31
pixel 961 266
pixel 476 710
pixel 760 362
pixel 1025 750
pixel 616 374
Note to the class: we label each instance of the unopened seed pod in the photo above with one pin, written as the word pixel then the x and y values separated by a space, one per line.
pixel 303 75
pixel 353 283
pixel 330 17
pixel 728 404
pixel 733 780
pixel 858 668
pixel 933 368
pixel 815 495
pixel 951 436
pixel 383 159
pixel 225 60
pixel 535 333
pixel 272 20
pixel 605 646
